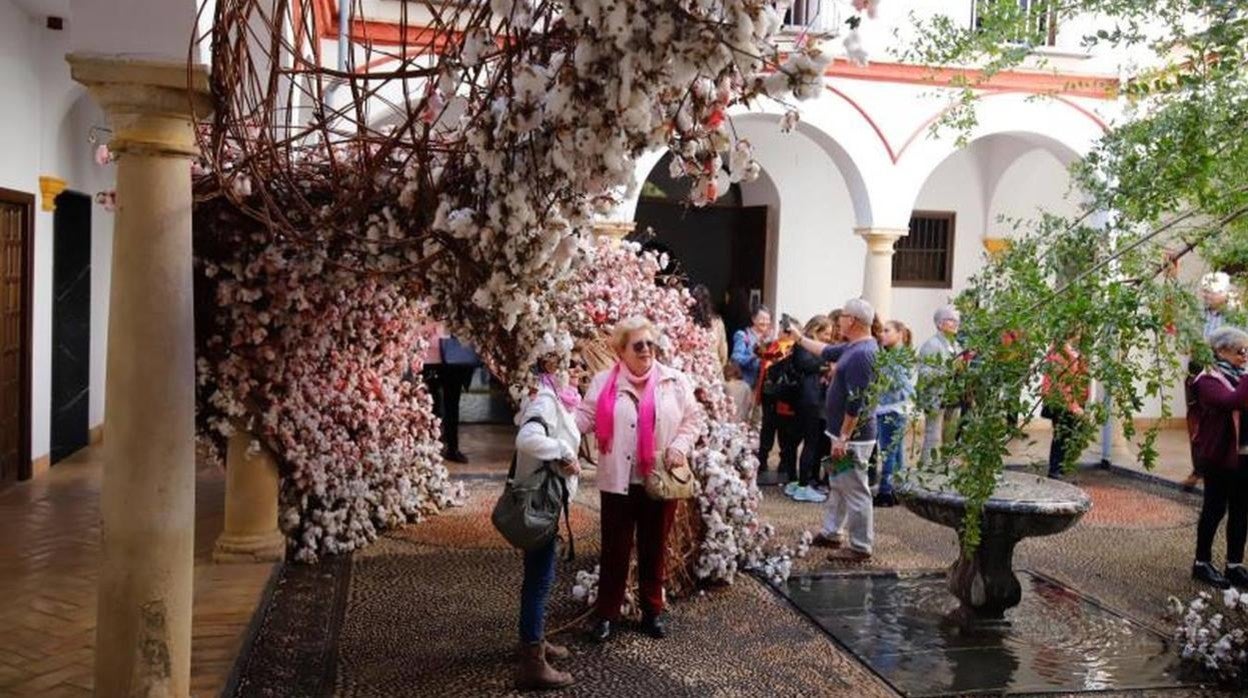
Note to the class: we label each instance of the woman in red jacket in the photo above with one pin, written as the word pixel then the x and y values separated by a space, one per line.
pixel 1220 446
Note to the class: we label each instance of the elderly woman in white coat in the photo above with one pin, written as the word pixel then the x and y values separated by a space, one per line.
pixel 645 416
pixel 548 434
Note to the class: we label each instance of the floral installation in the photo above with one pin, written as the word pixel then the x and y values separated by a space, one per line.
pixel 318 364
pixel 1213 635
pixel 522 122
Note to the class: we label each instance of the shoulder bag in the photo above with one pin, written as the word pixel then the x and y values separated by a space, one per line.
pixel 527 513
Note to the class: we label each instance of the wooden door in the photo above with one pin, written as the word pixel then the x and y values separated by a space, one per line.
pixel 17 211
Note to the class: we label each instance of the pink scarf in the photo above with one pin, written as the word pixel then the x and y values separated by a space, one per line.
pixel 567 394
pixel 605 417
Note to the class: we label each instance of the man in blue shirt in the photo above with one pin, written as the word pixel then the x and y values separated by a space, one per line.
pixel 851 427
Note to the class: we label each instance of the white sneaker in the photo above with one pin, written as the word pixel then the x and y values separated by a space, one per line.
pixel 809 494
pixel 791 489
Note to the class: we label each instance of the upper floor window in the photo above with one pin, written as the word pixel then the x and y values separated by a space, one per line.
pixel 816 15
pixel 924 258
pixel 1040 26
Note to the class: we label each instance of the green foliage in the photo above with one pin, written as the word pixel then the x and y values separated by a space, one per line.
pixel 1169 180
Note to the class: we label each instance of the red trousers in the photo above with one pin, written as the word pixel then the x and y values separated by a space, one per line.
pixel 622 514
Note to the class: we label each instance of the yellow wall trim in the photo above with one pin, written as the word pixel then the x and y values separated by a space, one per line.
pixel 50 187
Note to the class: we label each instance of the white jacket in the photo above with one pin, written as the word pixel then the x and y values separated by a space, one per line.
pixel 533 446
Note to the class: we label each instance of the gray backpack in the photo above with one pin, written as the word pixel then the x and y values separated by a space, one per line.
pixel 527 513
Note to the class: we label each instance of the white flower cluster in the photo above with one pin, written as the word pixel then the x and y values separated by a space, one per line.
pixel 586 587
pixel 542 157
pixel 1216 639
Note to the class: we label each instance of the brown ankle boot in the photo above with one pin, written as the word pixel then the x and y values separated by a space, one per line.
pixel 556 652
pixel 533 673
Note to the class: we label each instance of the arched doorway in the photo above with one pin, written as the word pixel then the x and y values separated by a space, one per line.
pixel 722 245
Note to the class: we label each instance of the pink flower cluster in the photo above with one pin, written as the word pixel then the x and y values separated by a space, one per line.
pixel 312 360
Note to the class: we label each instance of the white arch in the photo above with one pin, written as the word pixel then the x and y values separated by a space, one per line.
pixel 829 122
pixel 1057 125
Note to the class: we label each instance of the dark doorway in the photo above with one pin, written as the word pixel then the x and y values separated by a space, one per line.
pixel 723 245
pixel 17 256
pixel 71 323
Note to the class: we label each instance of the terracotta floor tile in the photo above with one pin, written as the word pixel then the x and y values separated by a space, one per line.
pixel 48 577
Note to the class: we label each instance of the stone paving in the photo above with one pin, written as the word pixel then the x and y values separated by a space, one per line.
pixel 1131 552
pixel 430 609
pixel 48 558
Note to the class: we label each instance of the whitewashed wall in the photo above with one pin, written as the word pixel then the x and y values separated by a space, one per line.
pixel 46 118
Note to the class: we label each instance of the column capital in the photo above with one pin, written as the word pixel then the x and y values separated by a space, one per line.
pixel 150 104
pixel 880 240
pixel 996 246
pixel 616 230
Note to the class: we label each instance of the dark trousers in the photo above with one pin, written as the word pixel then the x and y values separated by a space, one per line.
pixel 539 577
pixel 446 384
pixel 787 428
pixel 1064 425
pixel 1226 494
pixel 815 443
pixel 651 520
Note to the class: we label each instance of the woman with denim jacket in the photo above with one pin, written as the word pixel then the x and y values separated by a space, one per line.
pixel 893 411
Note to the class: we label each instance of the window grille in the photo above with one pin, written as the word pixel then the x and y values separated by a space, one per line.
pixel 924 258
pixel 1041 24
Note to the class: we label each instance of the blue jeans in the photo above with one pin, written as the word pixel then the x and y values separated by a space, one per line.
pixel 539 577
pixel 891 428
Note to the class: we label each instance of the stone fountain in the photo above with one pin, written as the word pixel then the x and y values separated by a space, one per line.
pixel 1022 506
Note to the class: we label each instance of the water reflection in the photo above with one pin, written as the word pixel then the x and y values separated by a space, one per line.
pixel 910 631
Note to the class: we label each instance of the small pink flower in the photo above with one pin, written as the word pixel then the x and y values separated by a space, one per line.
pixel 870 6
pixel 107 199
pixel 103 155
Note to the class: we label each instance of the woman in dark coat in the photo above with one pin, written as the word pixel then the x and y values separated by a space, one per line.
pixel 1221 449
pixel 810 412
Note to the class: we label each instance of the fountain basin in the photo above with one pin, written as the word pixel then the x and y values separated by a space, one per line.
pixel 1021 506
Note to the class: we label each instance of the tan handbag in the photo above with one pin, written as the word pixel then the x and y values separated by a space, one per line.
pixel 677 483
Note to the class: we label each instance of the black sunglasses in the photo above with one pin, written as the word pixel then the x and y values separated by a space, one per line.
pixel 641 345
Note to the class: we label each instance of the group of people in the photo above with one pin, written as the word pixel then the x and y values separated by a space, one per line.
pixel 810 386
pixel 643 415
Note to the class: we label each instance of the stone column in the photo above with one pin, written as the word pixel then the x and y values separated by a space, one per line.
pixel 877 282
pixel 147 503
pixel 251 487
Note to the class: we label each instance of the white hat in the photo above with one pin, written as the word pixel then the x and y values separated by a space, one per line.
pixel 1216 282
